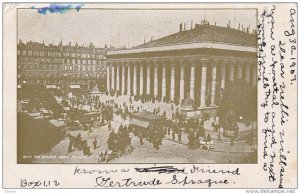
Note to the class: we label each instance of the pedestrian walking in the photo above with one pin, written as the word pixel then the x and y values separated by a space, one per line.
pixel 109 126
pixel 173 134
pixel 208 138
pixel 70 147
pixel 179 134
pixel 95 143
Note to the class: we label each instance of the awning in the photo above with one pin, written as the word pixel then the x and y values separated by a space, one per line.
pixel 67 108
pixel 74 86
pixel 139 123
pixel 48 86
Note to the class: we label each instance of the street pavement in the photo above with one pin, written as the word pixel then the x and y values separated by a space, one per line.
pixel 171 151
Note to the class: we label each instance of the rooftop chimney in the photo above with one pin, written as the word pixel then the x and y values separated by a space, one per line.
pixel 228 25
pixel 180 27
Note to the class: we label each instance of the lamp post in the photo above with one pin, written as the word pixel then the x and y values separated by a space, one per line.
pixel 219 135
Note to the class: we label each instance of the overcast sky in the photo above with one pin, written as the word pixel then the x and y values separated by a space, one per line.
pixel 119 27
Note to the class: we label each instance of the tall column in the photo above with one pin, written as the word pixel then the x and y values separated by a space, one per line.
pixel 164 82
pixel 240 71
pixel 172 88
pixel 134 80
pixel 203 86
pixel 254 74
pixel 231 72
pixel 213 84
pixel 192 82
pixel 141 80
pixel 223 72
pixel 181 82
pixel 247 73
pixel 113 77
pixel 108 77
pixel 123 78
pixel 118 78
pixel 128 81
pixel 155 81
pixel 148 79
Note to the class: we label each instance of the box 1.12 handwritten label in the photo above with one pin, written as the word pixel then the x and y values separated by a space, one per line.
pixel 39 183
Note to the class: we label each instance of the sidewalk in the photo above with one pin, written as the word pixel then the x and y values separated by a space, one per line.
pixel 218 146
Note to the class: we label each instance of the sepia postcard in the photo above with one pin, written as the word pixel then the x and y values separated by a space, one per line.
pixel 150 95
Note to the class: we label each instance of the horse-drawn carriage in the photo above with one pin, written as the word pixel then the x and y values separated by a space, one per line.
pixel 91 119
pixel 72 125
pixel 149 126
pixel 118 144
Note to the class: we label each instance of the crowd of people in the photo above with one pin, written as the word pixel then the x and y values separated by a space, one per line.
pixel 174 125
pixel 77 142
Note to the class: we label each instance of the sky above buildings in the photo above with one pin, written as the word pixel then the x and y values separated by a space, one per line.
pixel 119 27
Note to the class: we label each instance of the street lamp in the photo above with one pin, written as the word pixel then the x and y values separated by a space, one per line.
pixel 219 135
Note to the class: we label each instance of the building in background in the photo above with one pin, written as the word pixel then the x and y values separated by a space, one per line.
pixel 196 64
pixel 61 67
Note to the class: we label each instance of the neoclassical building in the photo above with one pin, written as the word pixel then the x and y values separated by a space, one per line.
pixel 198 63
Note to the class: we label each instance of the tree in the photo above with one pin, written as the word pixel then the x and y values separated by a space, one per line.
pixel 239 97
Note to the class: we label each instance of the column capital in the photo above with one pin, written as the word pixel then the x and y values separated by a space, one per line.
pixel 217 61
pixel 173 62
pixel 227 61
pixel 149 62
pixel 166 62
pixel 204 61
pixel 140 62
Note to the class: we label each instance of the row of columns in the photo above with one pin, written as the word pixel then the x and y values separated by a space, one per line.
pixel 239 74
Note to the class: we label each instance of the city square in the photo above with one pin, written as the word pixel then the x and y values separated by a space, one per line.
pixel 186 97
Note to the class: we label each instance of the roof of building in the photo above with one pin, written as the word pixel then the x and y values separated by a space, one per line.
pixel 147 115
pixel 90 49
pixel 36 46
pixel 206 33
pixel 95 90
pixel 188 102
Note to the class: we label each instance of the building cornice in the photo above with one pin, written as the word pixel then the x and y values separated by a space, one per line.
pixel 194 45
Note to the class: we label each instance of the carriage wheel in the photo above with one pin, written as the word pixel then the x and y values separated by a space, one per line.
pixel 128 149
pixel 119 153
